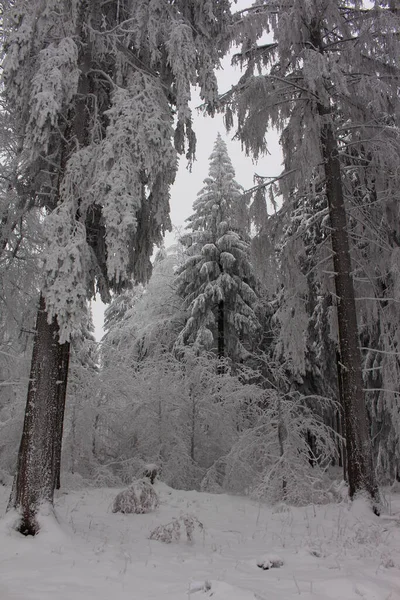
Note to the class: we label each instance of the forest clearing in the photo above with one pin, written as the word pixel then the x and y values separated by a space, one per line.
pixel 329 552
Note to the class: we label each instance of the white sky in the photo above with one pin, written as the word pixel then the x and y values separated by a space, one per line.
pixel 187 184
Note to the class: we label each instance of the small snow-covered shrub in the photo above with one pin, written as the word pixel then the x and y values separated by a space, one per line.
pixel 151 470
pixel 270 561
pixel 171 532
pixel 139 498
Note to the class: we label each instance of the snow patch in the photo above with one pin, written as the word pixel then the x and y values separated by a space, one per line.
pixel 88 553
pixel 220 590
pixel 199 586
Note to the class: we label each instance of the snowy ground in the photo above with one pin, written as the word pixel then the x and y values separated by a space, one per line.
pixel 329 552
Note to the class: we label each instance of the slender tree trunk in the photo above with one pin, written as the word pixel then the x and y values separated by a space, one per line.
pixel 62 381
pixel 38 467
pixel 282 435
pixel 192 425
pixel 360 470
pixel 73 440
pixel 94 438
pixel 221 329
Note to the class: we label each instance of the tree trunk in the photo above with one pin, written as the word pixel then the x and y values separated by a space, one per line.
pixel 94 438
pixel 341 421
pixel 282 435
pixel 38 466
pixel 360 470
pixel 221 330
pixel 193 423
pixel 39 459
pixel 62 381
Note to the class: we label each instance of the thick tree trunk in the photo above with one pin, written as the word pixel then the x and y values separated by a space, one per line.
pixel 38 467
pixel 39 459
pixel 360 470
pixel 359 463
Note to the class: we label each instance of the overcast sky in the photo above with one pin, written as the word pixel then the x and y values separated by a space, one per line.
pixel 187 184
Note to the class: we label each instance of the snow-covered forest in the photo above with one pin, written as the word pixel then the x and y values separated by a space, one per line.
pixel 254 364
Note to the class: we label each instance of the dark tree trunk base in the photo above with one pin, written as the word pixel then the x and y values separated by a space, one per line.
pixel 28 527
pixel 38 466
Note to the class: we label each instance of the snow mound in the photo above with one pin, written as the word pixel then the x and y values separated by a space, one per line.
pixel 219 590
pixel 361 510
pixel 9 523
pixel 139 498
pixel 5 478
pixel 199 586
pixel 269 561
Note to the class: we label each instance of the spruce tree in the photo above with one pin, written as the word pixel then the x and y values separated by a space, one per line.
pixel 217 280
pixel 99 95
pixel 329 83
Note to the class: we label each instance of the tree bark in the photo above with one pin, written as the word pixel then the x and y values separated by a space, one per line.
pixel 39 459
pixel 221 336
pixel 221 329
pixel 359 462
pixel 360 470
pixel 341 421
pixel 193 422
pixel 38 466
pixel 63 351
pixel 282 435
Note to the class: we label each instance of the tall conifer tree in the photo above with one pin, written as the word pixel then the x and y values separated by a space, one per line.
pixel 93 87
pixel 329 83
pixel 217 279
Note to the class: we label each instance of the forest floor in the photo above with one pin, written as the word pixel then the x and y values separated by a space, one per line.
pixel 330 552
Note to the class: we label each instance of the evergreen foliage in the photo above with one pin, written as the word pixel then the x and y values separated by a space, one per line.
pixel 217 280
pixel 329 83
pixel 92 95
pixel 141 321
pixel 99 98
